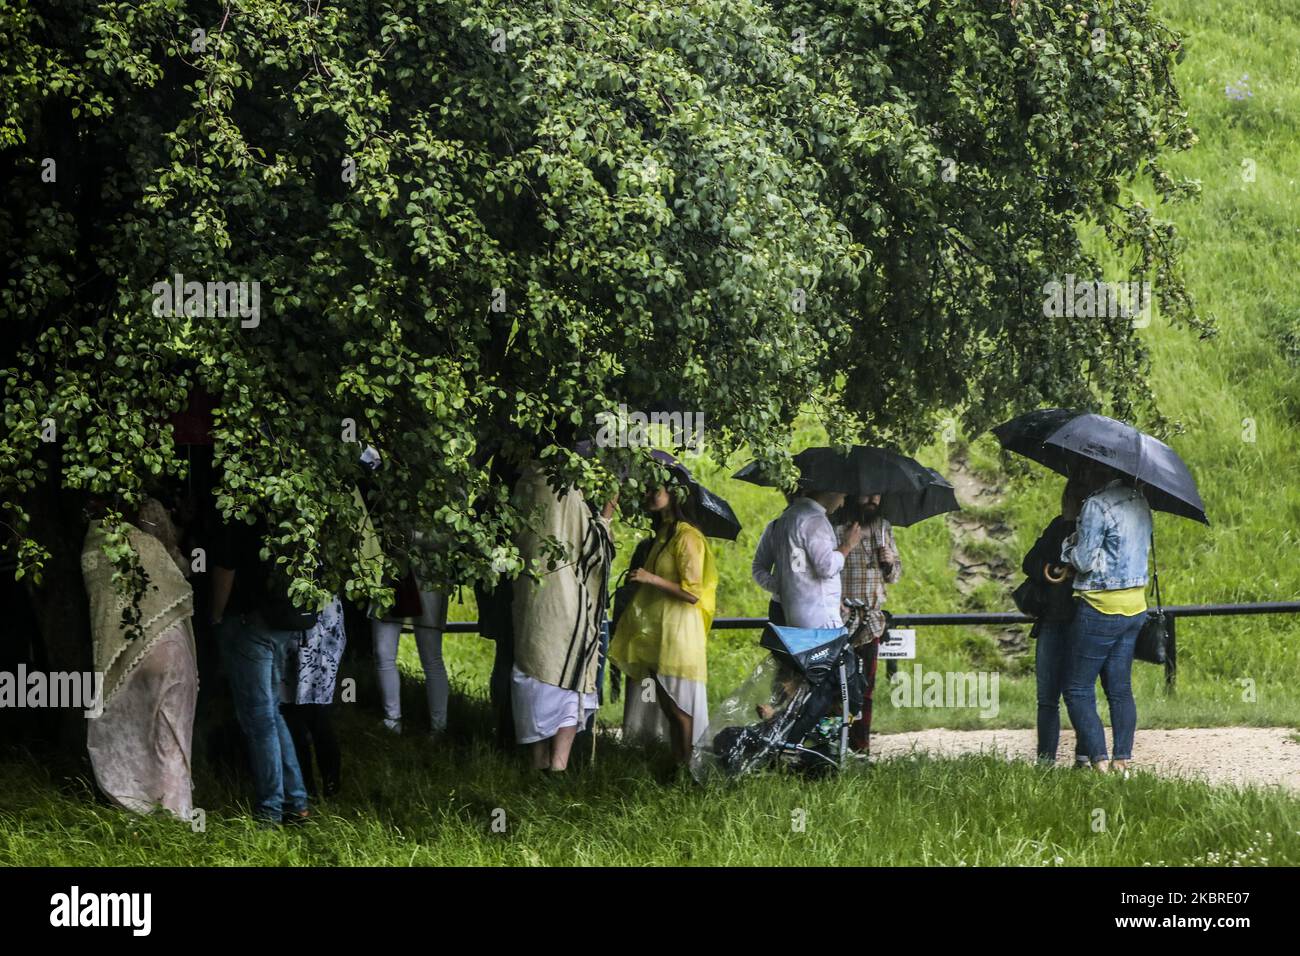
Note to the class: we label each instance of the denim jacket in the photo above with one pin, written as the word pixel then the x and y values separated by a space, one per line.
pixel 1109 550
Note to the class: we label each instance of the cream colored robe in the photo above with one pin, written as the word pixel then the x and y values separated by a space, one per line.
pixel 557 619
pixel 140 746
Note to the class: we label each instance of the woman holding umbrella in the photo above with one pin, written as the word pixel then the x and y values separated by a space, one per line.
pixel 1128 473
pixel 659 642
pixel 1109 555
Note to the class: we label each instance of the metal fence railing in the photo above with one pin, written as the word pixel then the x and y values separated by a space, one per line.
pixel 984 619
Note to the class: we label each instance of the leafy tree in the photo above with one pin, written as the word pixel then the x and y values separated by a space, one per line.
pixel 475 225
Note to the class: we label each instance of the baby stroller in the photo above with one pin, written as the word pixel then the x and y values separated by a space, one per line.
pixel 805 695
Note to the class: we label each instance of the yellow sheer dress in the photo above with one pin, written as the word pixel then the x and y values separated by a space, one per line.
pixel 664 638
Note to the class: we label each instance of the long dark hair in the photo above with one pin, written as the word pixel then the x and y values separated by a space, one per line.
pixel 681 505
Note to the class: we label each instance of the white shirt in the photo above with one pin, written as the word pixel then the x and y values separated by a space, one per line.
pixel 808 565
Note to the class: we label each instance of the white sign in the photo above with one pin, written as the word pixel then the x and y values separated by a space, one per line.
pixel 898 645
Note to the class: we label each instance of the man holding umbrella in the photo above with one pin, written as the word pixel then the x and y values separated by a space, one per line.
pixel 868 567
pixel 817 565
pixel 809 559
pixel 897 491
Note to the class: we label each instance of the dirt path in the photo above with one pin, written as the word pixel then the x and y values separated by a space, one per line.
pixel 1222 755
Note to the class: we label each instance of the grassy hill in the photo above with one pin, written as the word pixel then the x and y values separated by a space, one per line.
pixel 1235 401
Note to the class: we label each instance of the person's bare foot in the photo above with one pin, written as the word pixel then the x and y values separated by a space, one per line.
pixel 539 755
pixel 1101 766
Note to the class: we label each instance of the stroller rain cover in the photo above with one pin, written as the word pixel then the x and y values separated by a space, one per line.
pixel 781 702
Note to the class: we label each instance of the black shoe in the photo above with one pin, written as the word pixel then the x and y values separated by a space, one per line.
pixel 296 818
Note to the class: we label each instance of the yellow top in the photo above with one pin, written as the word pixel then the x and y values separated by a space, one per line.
pixel 1126 601
pixel 659 632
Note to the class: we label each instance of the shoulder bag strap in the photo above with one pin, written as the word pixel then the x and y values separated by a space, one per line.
pixel 1155 572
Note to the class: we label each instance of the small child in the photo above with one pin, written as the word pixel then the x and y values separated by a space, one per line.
pixel 785 684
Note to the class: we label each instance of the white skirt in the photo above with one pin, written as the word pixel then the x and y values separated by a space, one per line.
pixel 643 720
pixel 541 709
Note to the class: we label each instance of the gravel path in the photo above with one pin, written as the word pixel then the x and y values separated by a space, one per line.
pixel 1223 755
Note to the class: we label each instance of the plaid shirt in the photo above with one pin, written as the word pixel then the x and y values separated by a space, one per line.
pixel 862 578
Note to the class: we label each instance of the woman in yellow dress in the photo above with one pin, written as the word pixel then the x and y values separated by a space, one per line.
pixel 660 640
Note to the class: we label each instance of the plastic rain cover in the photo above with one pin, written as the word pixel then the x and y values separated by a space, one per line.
pixel 747 730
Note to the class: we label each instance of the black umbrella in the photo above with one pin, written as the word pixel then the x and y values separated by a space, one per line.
pixel 935 497
pixel 1063 440
pixel 860 471
pixel 713 513
pixel 909 491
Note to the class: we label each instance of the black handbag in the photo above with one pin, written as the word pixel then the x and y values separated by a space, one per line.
pixel 1153 640
pixel 1030 598
pixel 1034 597
pixel 406 598
pixel 625 589
pixel 277 607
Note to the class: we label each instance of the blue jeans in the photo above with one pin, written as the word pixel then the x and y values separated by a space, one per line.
pixel 1051 659
pixel 1102 645
pixel 255 660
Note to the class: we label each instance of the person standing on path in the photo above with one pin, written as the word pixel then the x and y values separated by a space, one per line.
pixel 1055 610
pixel 1109 554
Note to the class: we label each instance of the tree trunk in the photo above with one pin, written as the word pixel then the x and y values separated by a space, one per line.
pixel 61 609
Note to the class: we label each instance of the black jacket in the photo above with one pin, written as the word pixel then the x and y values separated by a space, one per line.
pixel 1047 550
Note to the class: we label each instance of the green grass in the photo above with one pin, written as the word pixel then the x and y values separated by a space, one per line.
pixel 408 802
